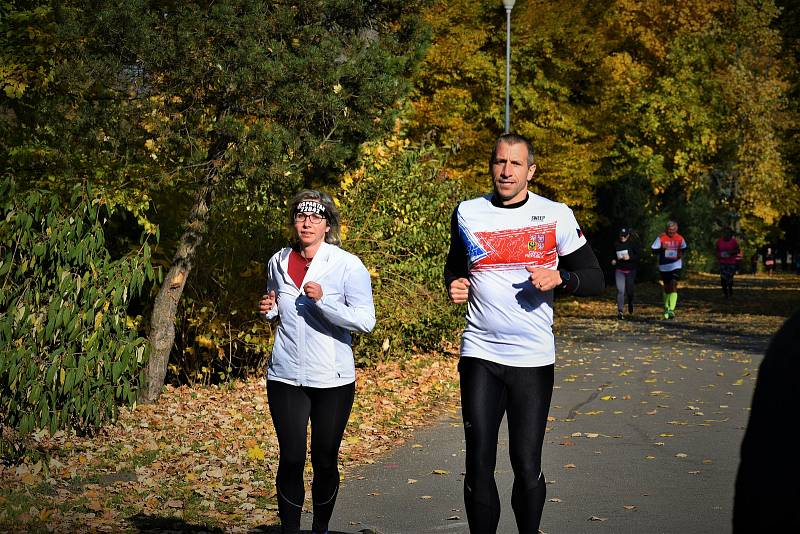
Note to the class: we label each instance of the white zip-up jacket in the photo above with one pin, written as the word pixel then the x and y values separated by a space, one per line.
pixel 313 342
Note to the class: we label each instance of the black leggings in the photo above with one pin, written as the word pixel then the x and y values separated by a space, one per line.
pixel 488 390
pixel 291 408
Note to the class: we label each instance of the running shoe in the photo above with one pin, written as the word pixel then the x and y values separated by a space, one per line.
pixel 619 315
pixel 666 314
pixel 671 314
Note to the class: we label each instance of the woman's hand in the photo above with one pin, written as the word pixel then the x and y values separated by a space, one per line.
pixel 267 303
pixel 313 291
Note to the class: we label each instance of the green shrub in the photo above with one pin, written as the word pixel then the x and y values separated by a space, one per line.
pixel 396 206
pixel 397 209
pixel 69 351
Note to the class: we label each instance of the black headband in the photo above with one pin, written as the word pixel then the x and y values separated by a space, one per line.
pixel 310 206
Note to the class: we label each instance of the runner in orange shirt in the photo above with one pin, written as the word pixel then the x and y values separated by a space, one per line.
pixel 670 247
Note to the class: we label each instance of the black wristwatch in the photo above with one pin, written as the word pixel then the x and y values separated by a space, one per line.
pixel 565 276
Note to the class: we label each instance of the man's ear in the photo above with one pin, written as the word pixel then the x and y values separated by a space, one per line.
pixel 531 171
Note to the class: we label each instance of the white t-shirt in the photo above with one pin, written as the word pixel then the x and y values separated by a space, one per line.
pixel 509 321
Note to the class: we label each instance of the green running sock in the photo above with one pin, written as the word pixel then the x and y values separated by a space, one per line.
pixel 666 301
pixel 672 301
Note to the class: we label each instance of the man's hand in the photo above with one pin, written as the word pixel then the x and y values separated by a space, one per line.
pixel 267 303
pixel 313 291
pixel 459 290
pixel 544 279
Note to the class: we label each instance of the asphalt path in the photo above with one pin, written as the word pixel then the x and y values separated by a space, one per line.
pixel 644 434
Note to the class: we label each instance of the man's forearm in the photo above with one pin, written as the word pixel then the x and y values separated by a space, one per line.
pixel 585 275
pixel 456 266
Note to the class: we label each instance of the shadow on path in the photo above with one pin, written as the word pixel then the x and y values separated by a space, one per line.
pixel 156 524
pixel 708 335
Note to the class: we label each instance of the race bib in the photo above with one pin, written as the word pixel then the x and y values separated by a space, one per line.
pixel 671 254
pixel 724 254
pixel 622 254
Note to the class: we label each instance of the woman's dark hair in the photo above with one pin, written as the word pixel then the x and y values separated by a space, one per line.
pixel 333 236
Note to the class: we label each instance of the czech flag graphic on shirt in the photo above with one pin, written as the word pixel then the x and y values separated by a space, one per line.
pixel 475 251
pixel 512 248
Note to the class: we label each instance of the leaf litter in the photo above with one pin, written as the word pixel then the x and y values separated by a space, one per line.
pixel 206 457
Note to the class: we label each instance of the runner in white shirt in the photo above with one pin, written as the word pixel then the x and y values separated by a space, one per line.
pixel 509 251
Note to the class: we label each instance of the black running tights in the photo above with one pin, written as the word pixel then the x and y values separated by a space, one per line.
pixel 488 390
pixel 291 408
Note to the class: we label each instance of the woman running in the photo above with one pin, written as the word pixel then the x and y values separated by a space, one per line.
pixel 320 294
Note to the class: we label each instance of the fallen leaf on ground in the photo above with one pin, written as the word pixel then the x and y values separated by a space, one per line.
pixel 255 453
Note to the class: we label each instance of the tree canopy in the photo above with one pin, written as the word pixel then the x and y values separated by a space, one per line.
pixel 634 107
pixel 192 122
pixel 175 110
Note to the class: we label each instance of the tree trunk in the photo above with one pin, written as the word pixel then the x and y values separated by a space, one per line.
pixel 162 320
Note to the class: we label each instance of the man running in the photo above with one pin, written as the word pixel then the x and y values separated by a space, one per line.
pixel 670 247
pixel 509 251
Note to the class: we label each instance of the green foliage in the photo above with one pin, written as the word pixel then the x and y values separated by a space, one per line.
pixel 639 111
pixel 397 207
pixel 236 102
pixel 459 93
pixel 70 353
pixel 148 97
pixel 220 340
pixel 696 102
